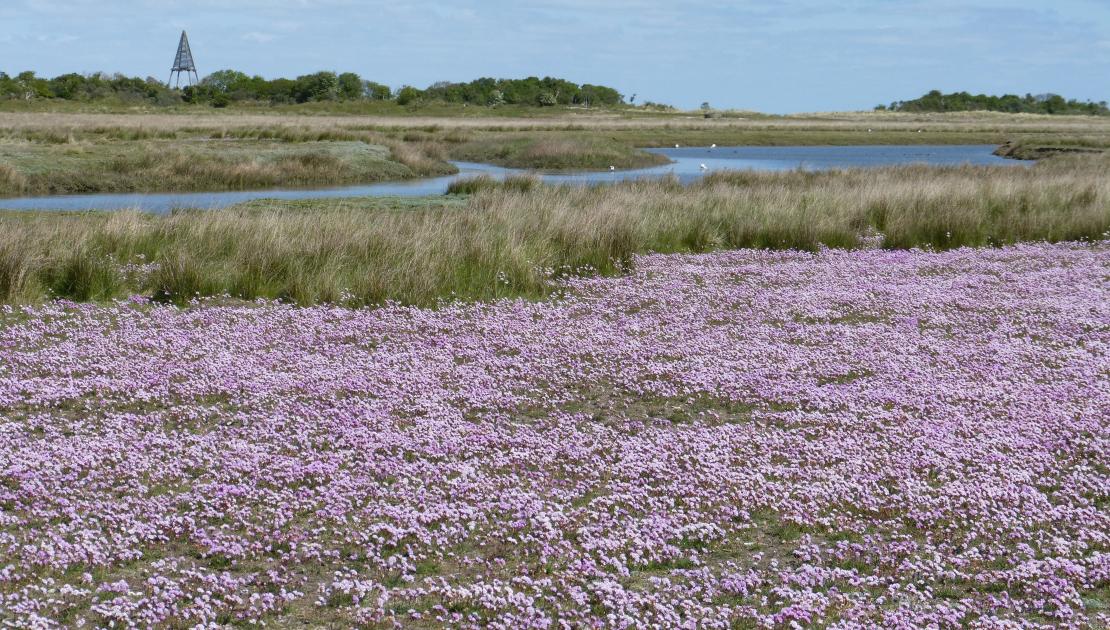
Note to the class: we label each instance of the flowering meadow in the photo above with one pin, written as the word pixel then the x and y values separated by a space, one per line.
pixel 849 439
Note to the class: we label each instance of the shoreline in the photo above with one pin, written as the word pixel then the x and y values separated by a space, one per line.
pixel 396 187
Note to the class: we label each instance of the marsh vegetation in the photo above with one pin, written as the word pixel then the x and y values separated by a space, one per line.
pixel 87 153
pixel 513 238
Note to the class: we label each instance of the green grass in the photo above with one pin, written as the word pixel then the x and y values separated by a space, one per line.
pixel 512 239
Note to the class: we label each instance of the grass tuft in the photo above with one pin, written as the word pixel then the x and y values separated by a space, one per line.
pixel 474 185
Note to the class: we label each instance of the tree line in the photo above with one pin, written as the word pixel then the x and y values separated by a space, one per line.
pixel 82 87
pixel 224 87
pixel 935 101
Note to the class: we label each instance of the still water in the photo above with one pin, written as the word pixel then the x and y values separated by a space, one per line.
pixel 687 164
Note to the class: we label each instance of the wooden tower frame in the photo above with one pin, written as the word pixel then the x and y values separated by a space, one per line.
pixel 183 63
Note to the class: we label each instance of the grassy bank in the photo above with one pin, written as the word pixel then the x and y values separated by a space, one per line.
pixel 555 152
pixel 1036 147
pixel 63 161
pixel 511 239
pixel 198 165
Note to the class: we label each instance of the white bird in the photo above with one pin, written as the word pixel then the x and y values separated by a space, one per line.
pixel 704 167
pixel 676 146
pixel 868 131
pixel 712 146
pixel 612 168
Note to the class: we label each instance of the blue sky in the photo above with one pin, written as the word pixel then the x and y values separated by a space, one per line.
pixel 786 56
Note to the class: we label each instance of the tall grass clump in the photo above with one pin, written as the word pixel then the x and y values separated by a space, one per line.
pixel 17 271
pixel 474 185
pixel 424 159
pixel 84 274
pixel 11 180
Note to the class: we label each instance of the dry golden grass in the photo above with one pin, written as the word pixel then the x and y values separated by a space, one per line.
pixel 963 121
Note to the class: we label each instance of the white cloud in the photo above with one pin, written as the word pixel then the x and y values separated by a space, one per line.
pixel 59 38
pixel 259 37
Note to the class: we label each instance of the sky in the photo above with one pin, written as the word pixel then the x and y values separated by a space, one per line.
pixel 779 57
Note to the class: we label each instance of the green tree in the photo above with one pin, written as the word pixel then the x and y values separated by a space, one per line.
pixel 600 95
pixel 280 91
pixel 936 101
pixel 226 81
pixel 32 86
pixel 408 95
pixel 377 91
pixel 320 86
pixel 9 87
pixel 224 87
pixel 349 86
pixel 68 86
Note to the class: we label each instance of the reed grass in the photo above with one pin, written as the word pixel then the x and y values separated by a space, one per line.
pixel 514 238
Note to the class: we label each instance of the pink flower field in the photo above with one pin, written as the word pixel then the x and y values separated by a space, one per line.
pixel 748 439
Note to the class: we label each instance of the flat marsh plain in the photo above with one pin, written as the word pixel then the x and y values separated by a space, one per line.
pixel 852 399
pixel 43 153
